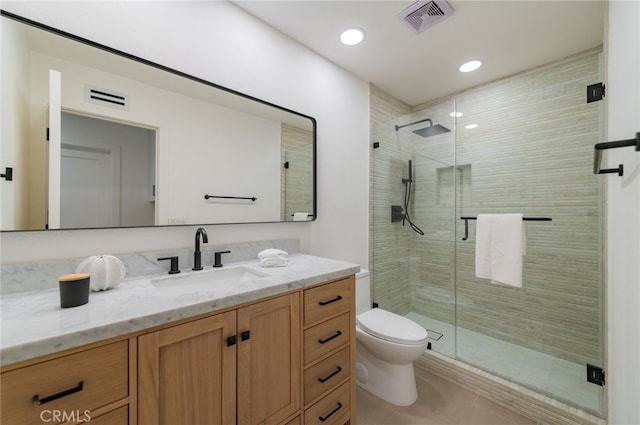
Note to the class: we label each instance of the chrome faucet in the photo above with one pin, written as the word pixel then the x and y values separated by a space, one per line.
pixel 197 255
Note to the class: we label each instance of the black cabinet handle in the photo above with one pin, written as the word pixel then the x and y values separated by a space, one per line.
pixel 37 400
pixel 324 418
pixel 334 373
pixel 324 341
pixel 338 298
pixel 232 340
pixel 245 335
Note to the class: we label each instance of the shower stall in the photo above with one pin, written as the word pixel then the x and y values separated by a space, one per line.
pixel 523 144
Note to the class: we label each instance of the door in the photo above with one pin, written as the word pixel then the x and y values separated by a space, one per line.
pixel 269 360
pixel 187 373
pixel 54 136
pixel 89 187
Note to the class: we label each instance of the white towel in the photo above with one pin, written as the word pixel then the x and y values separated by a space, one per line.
pixel 273 262
pixel 272 252
pixel 500 245
pixel 301 216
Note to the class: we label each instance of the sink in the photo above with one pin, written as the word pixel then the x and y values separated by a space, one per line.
pixel 207 280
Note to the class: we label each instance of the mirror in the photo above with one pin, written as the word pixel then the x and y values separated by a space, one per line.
pixel 133 143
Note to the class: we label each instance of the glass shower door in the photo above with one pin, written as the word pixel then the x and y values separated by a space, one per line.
pixel 526 146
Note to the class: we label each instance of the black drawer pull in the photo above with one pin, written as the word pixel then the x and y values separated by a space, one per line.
pixel 324 418
pixel 324 341
pixel 334 373
pixel 338 298
pixel 37 400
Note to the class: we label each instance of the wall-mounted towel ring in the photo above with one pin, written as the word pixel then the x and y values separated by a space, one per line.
pixel 466 223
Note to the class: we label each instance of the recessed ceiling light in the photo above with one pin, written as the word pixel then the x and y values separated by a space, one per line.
pixel 470 66
pixel 471 126
pixel 456 114
pixel 352 36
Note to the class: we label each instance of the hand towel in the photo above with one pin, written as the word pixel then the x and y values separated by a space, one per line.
pixel 273 262
pixel 272 252
pixel 500 246
pixel 301 216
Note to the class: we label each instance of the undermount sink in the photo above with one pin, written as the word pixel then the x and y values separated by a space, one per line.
pixel 209 279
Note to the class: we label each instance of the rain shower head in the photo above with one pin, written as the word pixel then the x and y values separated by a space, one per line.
pixel 432 130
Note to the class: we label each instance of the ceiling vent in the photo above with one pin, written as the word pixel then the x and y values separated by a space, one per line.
pixel 424 14
pixel 106 97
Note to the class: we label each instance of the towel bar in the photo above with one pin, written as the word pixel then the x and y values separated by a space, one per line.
pixel 598 148
pixel 466 223
pixel 231 197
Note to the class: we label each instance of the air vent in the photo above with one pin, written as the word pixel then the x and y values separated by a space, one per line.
pixel 425 14
pixel 106 97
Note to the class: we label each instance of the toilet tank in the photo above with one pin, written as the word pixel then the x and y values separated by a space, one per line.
pixel 363 291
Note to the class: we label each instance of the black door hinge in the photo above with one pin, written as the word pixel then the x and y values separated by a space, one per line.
pixel 595 92
pixel 595 375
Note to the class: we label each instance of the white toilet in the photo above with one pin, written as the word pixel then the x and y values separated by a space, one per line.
pixel 387 346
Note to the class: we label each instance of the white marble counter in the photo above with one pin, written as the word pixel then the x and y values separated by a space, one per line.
pixel 34 324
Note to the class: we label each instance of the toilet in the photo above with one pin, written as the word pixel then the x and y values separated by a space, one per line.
pixel 387 345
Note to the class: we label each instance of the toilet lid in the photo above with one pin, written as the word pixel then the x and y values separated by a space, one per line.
pixel 391 327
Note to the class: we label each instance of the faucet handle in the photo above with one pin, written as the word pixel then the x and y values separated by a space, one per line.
pixel 174 264
pixel 217 258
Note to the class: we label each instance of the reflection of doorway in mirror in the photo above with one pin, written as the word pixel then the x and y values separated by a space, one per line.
pixel 89 187
pixel 108 173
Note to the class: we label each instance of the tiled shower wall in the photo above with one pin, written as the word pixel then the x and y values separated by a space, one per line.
pixel 531 153
pixel 296 182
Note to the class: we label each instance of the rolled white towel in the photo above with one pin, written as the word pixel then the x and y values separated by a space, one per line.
pixel 272 252
pixel 273 262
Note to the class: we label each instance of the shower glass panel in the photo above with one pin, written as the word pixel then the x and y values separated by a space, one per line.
pixel 413 274
pixel 524 145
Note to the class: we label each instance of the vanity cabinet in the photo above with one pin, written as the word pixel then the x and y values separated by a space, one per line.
pixel 88 385
pixel 191 373
pixel 283 360
pixel 329 353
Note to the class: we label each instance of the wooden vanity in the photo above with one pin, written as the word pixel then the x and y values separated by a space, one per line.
pixel 283 359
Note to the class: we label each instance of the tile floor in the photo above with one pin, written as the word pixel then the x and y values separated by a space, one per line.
pixel 440 402
pixel 559 378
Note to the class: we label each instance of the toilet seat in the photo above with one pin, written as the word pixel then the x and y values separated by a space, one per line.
pixel 391 327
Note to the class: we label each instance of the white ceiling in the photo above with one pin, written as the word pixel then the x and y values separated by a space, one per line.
pixel 508 36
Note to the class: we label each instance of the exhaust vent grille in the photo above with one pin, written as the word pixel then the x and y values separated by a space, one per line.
pixel 425 14
pixel 106 97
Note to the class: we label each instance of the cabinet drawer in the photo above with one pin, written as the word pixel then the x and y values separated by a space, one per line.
pixel 325 337
pixel 331 408
pixel 55 385
pixel 326 375
pixel 327 300
pixel 116 417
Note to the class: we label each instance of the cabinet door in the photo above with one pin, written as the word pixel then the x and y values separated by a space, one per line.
pixel 187 373
pixel 269 360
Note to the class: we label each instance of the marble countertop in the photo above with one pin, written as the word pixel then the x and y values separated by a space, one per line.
pixel 33 323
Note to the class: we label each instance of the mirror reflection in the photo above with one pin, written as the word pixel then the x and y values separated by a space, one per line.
pixel 97 139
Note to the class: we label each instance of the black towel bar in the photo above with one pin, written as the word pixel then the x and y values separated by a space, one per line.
pixel 466 223
pixel 231 197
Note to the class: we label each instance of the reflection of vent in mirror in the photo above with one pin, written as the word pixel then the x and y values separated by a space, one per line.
pixel 106 97
pixel 424 14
